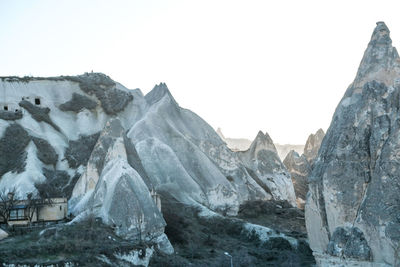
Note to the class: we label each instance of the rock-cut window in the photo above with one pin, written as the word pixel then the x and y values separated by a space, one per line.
pixel 5 107
pixel 37 101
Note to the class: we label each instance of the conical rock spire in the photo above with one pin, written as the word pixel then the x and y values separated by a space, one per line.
pixel 379 56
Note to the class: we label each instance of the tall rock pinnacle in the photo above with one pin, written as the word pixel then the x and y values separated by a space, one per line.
pixel 380 56
pixel 353 204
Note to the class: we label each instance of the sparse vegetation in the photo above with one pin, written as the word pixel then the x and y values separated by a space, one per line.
pixel 78 243
pixel 7 201
pixel 200 241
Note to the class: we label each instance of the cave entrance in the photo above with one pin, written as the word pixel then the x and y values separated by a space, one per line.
pixel 6 107
pixel 37 101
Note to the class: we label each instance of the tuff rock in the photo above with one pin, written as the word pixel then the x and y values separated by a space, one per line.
pixel 312 146
pixel 299 169
pixel 355 180
pixel 263 161
pixel 300 166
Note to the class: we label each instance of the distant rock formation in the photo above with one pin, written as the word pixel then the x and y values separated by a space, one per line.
pixel 263 163
pixel 283 150
pixel 312 146
pixel 353 206
pixel 242 144
pixel 299 169
pixel 301 166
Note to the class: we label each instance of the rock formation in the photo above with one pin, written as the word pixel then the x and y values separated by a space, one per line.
pixel 106 148
pixel 112 190
pixel 299 169
pixel 263 163
pixel 301 166
pixel 284 150
pixel 353 206
pixel 312 146
pixel 185 157
pixel 242 144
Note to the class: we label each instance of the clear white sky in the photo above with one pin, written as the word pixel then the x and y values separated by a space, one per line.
pixel 244 66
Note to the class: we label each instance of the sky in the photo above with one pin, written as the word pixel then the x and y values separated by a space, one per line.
pixel 277 66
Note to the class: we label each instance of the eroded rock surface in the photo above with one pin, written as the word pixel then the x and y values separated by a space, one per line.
pixel 312 146
pixel 111 189
pixel 39 113
pixel 184 156
pixel 300 166
pixel 349 243
pixel 355 180
pixel 263 161
pixel 299 169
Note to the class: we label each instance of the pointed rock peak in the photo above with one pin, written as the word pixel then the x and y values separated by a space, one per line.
pixel 320 133
pixel 265 138
pixel 314 139
pixel 293 158
pixel 380 55
pixel 313 144
pixel 381 35
pixel 262 141
pixel 157 93
pixel 292 154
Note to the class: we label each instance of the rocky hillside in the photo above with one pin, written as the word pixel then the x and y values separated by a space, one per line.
pixel 301 166
pixel 352 210
pixel 108 149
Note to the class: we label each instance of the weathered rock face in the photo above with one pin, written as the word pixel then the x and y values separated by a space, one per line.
pixel 69 142
pixel 121 198
pixel 38 113
pixel 108 144
pixel 299 169
pixel 185 157
pixel 111 189
pixel 312 146
pixel 300 166
pixel 353 205
pixel 263 162
pixel 66 114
